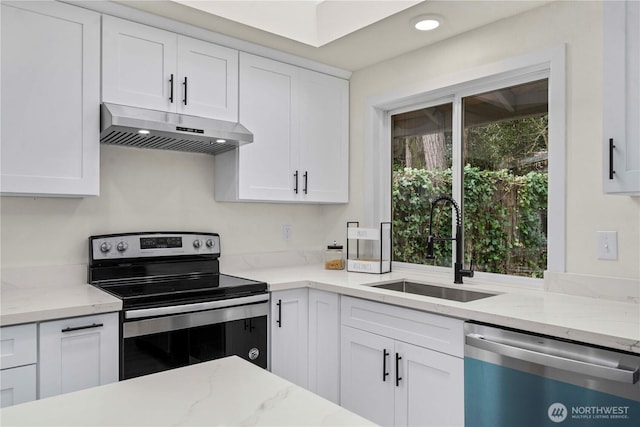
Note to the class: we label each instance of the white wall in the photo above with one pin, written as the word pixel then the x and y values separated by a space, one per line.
pixel 578 24
pixel 148 190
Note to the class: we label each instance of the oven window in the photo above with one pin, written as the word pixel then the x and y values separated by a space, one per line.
pixel 147 354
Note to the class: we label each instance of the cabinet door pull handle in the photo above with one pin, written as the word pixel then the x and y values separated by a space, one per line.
pixel 306 180
pixel 611 147
pixel 385 374
pixel 185 90
pixel 171 91
pixel 295 186
pixel 398 377
pixel 79 328
pixel 279 321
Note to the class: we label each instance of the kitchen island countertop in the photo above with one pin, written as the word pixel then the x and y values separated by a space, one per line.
pixel 228 391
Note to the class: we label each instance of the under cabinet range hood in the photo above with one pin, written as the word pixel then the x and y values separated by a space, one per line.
pixel 143 128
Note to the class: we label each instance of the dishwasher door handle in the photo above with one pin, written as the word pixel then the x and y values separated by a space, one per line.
pixel 630 376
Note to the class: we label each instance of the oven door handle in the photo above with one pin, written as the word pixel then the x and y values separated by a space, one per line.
pixel 188 308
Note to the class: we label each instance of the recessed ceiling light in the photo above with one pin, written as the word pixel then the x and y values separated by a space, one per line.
pixel 426 22
pixel 143 132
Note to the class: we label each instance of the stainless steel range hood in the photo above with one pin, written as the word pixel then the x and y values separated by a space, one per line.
pixel 139 127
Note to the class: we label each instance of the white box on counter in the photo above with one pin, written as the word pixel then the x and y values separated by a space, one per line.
pixel 363 233
pixel 368 266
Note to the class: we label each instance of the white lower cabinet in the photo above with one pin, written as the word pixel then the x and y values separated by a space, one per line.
pixel 431 389
pixel 324 344
pixel 78 353
pixel 393 382
pixel 366 380
pixel 18 358
pixel 289 324
pixel 305 342
pixel 18 385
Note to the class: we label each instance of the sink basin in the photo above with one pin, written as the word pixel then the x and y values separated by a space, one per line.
pixel 460 295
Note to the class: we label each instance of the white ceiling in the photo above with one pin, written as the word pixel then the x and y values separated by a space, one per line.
pixel 348 34
pixel 312 22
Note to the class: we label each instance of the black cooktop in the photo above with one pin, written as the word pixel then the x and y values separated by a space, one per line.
pixel 163 291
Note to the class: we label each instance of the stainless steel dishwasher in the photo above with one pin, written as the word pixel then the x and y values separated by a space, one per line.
pixel 513 378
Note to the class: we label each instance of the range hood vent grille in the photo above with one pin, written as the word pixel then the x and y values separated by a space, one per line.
pixel 121 125
pixel 163 143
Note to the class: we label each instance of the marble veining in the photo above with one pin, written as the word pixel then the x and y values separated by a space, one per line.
pixel 228 391
pixel 557 309
pixel 613 323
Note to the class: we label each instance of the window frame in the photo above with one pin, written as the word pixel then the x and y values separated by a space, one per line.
pixel 547 63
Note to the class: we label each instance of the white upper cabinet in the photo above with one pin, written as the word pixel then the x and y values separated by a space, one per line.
pixel 300 122
pixel 324 136
pixel 50 89
pixel 138 63
pixel 621 124
pixel 151 68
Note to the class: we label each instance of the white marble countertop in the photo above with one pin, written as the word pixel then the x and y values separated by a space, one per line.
pixel 229 391
pixel 608 323
pixel 37 294
pixel 44 293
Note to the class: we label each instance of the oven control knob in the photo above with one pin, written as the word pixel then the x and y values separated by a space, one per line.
pixel 122 246
pixel 105 247
pixel 210 243
pixel 197 243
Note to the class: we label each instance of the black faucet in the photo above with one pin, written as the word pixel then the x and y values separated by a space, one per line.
pixel 458 271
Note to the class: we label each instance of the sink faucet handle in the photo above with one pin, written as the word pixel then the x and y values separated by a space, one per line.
pixel 469 272
pixel 430 254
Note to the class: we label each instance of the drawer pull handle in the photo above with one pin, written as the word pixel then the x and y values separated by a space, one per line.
pixel 79 328
pixel 611 147
pixel 279 321
pixel 385 353
pixel 184 101
pixel 171 94
pixel 306 182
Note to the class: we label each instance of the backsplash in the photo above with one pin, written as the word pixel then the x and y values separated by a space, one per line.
pixel 611 288
pixel 149 190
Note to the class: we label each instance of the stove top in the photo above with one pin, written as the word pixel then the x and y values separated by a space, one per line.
pixel 163 291
pixel 159 269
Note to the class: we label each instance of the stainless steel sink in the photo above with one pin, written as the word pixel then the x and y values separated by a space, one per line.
pixel 460 295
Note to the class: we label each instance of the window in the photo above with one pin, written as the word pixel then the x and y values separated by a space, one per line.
pixel 421 144
pixel 505 154
pixel 548 64
pixel 500 177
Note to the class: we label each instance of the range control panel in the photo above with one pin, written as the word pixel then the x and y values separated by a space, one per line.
pixel 141 245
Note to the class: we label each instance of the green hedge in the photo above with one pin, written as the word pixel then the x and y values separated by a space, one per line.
pixel 504 226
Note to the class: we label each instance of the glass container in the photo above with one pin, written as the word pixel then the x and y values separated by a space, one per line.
pixel 333 257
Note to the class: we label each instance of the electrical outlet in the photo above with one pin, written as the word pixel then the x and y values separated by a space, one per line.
pixel 286 232
pixel 607 245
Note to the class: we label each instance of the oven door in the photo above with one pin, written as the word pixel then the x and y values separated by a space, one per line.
pixel 177 338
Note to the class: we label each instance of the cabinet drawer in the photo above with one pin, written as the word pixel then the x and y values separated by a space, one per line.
pixel 18 345
pixel 439 333
pixel 18 385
